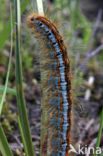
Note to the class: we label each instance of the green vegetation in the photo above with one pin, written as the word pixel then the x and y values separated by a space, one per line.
pixel 81 37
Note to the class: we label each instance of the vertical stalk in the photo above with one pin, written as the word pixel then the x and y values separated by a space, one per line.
pixel 100 132
pixel 40 7
pixel 23 119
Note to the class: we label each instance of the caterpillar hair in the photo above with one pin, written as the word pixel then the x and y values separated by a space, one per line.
pixel 56 85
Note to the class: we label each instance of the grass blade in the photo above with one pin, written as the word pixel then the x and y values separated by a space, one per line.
pixel 4 146
pixel 100 132
pixel 9 90
pixel 9 65
pixel 28 147
pixel 22 135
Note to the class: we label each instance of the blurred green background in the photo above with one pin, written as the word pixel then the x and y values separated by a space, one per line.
pixel 82 31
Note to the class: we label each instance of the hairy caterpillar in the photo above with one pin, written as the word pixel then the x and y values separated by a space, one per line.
pixel 56 84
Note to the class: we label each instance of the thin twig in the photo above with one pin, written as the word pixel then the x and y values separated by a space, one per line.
pixel 91 54
pixel 95 52
pixel 99 16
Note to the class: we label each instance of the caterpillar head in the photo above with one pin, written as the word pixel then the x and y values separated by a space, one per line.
pixel 32 21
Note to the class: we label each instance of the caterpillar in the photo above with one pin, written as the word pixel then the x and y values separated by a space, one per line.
pixel 56 84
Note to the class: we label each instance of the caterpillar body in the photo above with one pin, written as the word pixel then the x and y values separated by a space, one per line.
pixel 56 84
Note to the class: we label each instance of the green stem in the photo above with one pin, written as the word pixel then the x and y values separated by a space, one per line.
pixel 4 146
pixel 23 119
pixel 9 90
pixel 100 132
pixel 9 65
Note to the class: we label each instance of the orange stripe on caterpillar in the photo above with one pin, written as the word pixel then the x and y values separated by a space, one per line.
pixel 56 84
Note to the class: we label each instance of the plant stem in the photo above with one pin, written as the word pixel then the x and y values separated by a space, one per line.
pixel 23 119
